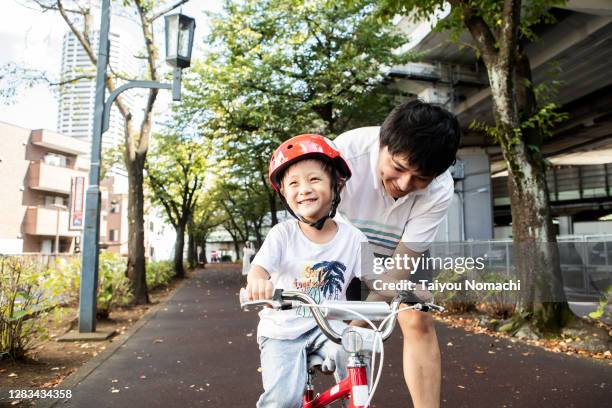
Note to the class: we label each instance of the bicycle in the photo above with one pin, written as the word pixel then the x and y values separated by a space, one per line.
pixel 355 387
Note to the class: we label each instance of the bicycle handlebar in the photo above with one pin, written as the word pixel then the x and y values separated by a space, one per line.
pixel 349 310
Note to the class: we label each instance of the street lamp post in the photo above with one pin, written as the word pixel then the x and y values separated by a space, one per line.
pixel 179 42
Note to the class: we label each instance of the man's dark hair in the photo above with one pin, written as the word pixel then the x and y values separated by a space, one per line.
pixel 426 135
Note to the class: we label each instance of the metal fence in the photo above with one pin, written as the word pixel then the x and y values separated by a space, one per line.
pixel 45 261
pixel 586 261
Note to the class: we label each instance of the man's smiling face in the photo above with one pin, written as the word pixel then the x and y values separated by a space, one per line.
pixel 398 177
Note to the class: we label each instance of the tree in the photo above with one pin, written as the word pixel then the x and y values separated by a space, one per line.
pixel 278 68
pixel 78 17
pixel 176 173
pixel 500 30
pixel 207 216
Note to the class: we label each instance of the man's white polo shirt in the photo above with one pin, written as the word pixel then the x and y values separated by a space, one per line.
pixel 412 219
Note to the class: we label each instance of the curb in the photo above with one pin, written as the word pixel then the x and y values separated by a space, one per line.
pixel 86 369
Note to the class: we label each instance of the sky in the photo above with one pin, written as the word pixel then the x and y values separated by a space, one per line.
pixel 34 39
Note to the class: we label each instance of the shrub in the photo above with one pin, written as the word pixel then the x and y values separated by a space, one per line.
pixel 113 285
pixel 455 301
pixel 159 273
pixel 64 281
pixel 603 306
pixel 24 307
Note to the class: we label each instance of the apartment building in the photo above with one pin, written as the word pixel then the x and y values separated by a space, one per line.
pixel 76 99
pixel 36 172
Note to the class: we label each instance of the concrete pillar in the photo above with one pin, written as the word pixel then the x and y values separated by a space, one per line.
pixel 476 195
pixel 566 225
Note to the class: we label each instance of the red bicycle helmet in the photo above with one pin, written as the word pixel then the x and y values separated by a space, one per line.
pixel 302 147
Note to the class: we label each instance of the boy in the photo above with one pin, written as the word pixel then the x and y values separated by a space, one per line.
pixel 313 254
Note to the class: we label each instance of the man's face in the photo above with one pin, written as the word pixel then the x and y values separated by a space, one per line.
pixel 398 176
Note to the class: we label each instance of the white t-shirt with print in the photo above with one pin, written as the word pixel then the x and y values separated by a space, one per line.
pixel 412 219
pixel 296 263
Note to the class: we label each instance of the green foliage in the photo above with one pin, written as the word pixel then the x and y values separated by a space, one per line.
pixel 23 307
pixel 113 285
pixel 176 171
pixel 63 282
pixel 494 303
pixel 159 273
pixel 277 68
pixel 455 301
pixel 603 304
pixel 490 11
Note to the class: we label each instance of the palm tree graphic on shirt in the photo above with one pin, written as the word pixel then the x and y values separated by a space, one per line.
pixel 331 275
pixel 323 279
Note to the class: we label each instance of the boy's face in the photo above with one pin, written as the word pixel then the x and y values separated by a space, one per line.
pixel 397 176
pixel 307 188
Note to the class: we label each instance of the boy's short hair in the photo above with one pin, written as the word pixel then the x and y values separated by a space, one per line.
pixel 424 134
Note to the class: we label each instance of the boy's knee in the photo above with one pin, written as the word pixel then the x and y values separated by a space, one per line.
pixel 416 324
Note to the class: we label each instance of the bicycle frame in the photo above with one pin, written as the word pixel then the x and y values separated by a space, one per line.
pixel 354 387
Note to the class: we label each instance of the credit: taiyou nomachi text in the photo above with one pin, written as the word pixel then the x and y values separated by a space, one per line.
pixel 438 286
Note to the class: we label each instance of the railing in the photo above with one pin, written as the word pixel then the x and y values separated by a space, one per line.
pixel 586 260
pixel 45 261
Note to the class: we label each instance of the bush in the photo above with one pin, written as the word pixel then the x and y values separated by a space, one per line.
pixel 603 309
pixel 159 273
pixel 226 258
pixel 113 285
pixel 24 307
pixel 64 281
pixel 455 301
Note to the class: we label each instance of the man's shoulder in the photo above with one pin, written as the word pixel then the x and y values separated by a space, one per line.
pixel 443 186
pixel 357 142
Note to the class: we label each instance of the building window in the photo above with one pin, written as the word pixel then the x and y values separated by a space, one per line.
pixel 52 201
pixel 54 159
pixel 114 235
pixel 114 207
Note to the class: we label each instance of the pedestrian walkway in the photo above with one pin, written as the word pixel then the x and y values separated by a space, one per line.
pixel 199 350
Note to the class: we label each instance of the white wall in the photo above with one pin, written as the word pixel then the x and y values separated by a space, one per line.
pixel 592 227
pixel 11 246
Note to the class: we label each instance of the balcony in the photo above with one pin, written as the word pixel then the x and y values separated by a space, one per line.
pixel 58 142
pixel 44 221
pixel 46 177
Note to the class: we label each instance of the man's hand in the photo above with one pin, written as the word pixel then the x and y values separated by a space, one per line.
pixel 259 289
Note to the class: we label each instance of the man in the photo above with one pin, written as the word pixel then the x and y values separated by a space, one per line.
pixel 400 191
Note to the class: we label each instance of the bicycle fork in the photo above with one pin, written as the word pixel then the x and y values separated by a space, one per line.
pixel 354 388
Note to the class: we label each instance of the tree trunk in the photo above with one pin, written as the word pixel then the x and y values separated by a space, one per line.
pixel 535 253
pixel 192 250
pixel 272 201
pixel 136 271
pixel 179 245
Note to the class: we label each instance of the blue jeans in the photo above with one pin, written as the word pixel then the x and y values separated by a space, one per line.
pixel 284 367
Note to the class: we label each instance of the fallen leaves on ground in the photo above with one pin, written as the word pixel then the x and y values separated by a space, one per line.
pixel 471 323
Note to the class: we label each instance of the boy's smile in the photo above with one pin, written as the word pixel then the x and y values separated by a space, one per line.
pixel 306 187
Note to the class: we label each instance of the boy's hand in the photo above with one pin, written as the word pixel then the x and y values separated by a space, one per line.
pixel 260 289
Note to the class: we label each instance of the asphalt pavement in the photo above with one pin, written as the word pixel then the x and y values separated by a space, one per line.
pixel 199 350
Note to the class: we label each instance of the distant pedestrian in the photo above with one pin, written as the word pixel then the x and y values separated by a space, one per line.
pixel 247 254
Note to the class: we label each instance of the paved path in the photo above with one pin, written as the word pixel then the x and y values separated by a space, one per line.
pixel 199 350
